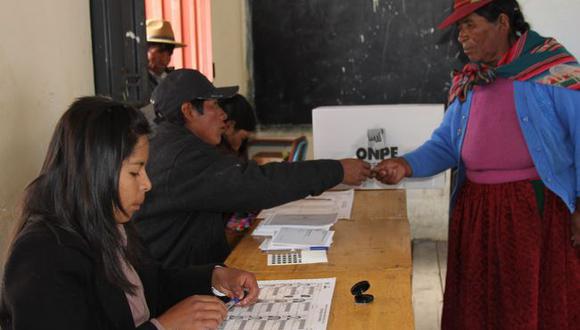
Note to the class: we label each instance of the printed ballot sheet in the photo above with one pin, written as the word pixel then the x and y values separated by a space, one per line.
pixel 285 305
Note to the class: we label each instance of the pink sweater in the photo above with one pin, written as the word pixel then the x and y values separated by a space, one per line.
pixel 137 302
pixel 494 149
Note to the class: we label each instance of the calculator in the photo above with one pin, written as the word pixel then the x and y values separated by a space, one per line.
pixel 297 257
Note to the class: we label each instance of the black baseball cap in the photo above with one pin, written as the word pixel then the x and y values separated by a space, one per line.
pixel 184 85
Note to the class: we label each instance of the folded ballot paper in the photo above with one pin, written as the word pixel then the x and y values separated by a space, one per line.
pixel 298 239
pixel 275 222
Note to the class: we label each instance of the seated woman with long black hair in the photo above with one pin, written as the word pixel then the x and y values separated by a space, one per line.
pixel 76 262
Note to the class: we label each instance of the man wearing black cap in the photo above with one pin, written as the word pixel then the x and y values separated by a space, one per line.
pixel 194 183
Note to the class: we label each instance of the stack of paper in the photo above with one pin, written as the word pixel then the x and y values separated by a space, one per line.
pixel 302 237
pixel 274 223
pixel 328 202
pixel 288 238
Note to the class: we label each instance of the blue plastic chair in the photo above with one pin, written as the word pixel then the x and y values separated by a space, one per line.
pixel 298 150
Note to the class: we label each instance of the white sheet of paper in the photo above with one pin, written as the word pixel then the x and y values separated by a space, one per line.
pixel 328 202
pixel 272 224
pixel 285 304
pixel 343 199
pixel 302 206
pixel 267 245
pixel 301 237
pixel 301 220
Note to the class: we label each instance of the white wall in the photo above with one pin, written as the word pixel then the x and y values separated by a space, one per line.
pixel 555 18
pixel 45 62
pixel 229 39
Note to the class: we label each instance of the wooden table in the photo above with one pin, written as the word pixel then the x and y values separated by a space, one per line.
pixel 374 246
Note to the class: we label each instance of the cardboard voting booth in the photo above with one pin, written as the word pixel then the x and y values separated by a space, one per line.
pixel 374 133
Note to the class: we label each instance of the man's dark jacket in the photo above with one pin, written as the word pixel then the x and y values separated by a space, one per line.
pixel 194 183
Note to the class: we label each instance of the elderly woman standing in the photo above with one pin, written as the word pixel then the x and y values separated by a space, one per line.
pixel 512 130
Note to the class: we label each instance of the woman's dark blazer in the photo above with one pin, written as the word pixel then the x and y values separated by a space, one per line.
pixel 52 281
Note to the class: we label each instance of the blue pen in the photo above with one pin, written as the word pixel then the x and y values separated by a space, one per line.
pixel 318 248
pixel 230 304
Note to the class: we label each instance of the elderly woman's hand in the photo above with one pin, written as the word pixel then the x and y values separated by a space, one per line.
pixel 576 229
pixel 392 170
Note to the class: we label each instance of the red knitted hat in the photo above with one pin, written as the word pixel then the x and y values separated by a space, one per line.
pixel 462 9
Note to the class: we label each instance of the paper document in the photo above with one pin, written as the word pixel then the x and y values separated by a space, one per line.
pixel 301 220
pixel 285 305
pixel 328 202
pixel 272 224
pixel 267 245
pixel 302 237
pixel 343 200
pixel 302 206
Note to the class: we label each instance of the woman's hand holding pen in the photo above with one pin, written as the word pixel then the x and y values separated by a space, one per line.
pixel 392 170
pixel 208 312
pixel 236 283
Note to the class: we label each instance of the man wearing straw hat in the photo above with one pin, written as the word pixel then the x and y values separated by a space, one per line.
pixel 160 45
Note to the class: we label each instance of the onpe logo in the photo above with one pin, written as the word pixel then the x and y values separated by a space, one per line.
pixel 377 148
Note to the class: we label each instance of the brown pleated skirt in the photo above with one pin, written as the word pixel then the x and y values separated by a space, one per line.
pixel 511 266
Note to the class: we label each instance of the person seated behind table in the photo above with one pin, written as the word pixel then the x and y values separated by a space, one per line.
pixel 194 183
pixel 76 261
pixel 240 125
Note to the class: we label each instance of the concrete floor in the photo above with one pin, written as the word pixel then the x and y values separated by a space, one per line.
pixel 429 270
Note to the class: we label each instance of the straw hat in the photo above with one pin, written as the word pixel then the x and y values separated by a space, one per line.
pixel 160 31
pixel 462 9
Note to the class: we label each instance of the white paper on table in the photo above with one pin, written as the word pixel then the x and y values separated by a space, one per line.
pixel 343 199
pixel 285 304
pixel 267 245
pixel 301 237
pixel 265 230
pixel 328 202
pixel 302 206
pixel 272 224
pixel 301 220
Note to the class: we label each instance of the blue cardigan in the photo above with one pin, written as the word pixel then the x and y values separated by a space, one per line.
pixel 549 117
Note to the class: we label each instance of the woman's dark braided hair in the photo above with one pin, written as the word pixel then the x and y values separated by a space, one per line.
pixel 512 10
